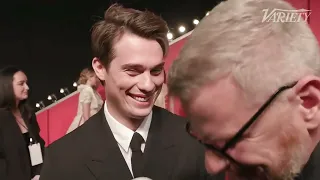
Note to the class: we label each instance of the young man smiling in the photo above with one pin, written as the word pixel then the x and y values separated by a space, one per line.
pixel 129 137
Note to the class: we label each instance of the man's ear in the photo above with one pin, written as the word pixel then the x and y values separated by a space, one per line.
pixel 308 90
pixel 99 68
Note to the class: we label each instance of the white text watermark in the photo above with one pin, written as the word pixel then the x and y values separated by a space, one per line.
pixel 283 15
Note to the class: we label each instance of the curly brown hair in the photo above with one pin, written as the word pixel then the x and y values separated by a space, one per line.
pixel 85 74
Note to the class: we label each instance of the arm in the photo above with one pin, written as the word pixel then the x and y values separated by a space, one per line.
pixel 86 110
pixel 3 169
pixel 3 161
pixel 85 99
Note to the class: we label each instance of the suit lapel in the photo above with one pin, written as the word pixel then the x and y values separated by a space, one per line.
pixel 106 160
pixel 161 149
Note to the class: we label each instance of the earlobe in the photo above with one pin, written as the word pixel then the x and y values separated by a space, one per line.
pixel 308 90
pixel 312 123
pixel 99 69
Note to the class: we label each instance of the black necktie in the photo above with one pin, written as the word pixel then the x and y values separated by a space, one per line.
pixel 137 155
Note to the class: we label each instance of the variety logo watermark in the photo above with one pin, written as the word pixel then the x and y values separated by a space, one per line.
pixel 283 15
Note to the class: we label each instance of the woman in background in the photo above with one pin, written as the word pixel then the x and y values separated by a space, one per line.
pixel 90 100
pixel 19 129
pixel 161 100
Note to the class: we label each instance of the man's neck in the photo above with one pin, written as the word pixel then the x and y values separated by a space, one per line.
pixel 135 123
pixel 131 123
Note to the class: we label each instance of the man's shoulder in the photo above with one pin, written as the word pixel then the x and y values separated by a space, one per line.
pixel 173 125
pixel 78 137
pixel 169 117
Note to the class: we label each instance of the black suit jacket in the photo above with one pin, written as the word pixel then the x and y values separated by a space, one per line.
pixel 312 169
pixel 92 153
pixel 14 156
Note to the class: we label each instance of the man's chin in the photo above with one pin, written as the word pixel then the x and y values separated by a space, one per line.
pixel 257 173
pixel 141 113
pixel 262 175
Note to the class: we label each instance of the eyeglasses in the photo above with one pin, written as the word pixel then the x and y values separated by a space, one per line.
pixel 236 138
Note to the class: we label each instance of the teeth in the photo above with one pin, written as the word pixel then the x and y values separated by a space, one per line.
pixel 141 99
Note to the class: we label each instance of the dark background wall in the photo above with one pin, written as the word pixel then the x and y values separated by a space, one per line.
pixel 50 39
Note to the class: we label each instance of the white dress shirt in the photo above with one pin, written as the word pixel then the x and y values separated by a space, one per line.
pixel 123 135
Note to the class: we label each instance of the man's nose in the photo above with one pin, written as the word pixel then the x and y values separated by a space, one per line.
pixel 146 84
pixel 214 163
pixel 26 87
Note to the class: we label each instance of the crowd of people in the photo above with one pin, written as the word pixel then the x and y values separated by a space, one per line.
pixel 250 90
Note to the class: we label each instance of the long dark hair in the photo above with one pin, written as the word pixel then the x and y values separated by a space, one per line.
pixel 7 96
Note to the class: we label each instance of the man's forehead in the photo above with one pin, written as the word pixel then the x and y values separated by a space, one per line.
pixel 142 54
pixel 203 99
pixel 213 130
pixel 216 110
pixel 133 43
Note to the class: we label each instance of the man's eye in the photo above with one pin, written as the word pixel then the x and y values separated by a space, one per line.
pixel 132 72
pixel 156 71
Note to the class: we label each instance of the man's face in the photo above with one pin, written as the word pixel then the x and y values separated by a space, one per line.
pixel 134 77
pixel 274 147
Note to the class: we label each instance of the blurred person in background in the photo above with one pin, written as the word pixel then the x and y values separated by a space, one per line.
pixel 161 100
pixel 90 101
pixel 21 147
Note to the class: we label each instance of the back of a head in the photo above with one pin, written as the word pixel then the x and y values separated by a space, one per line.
pixel 85 74
pixel 119 20
pixel 237 40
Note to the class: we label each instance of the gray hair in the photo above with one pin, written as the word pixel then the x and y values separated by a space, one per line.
pixel 234 41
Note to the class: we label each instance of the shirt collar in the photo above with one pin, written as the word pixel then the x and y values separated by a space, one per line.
pixel 122 134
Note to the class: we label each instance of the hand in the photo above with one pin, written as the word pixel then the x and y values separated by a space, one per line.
pixel 36 177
